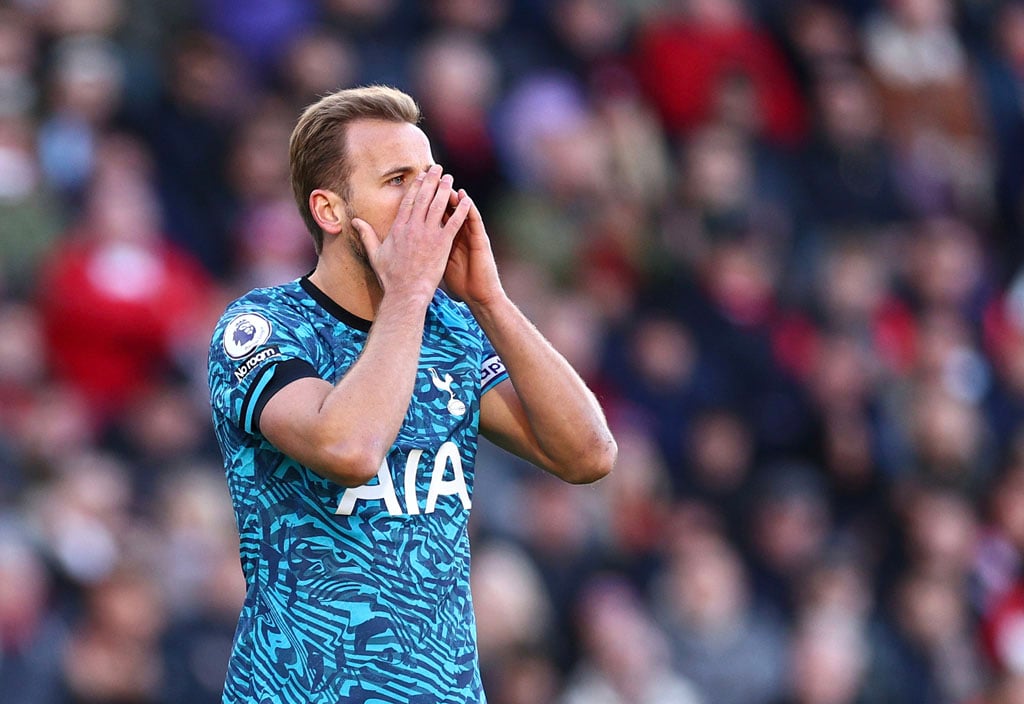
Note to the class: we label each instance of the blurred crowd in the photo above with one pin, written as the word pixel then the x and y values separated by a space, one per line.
pixel 783 240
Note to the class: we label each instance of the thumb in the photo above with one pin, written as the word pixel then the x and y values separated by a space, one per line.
pixel 367 236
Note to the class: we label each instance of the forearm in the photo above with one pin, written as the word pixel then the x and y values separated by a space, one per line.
pixel 361 416
pixel 564 417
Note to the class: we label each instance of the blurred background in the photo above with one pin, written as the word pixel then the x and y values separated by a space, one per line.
pixel 781 239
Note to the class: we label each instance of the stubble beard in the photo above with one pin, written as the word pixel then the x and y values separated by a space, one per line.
pixel 355 244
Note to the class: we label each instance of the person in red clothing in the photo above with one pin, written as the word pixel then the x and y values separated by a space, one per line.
pixel 685 60
pixel 115 297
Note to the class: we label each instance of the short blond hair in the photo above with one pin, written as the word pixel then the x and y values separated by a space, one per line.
pixel 317 150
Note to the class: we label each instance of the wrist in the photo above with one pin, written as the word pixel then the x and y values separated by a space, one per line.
pixel 407 298
pixel 490 295
pixel 490 307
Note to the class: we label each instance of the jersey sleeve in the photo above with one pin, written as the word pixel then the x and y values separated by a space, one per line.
pixel 255 352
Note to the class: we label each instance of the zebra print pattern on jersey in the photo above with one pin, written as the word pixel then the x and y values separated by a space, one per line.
pixel 371 604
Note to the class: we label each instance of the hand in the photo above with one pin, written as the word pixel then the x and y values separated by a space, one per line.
pixel 471 273
pixel 412 258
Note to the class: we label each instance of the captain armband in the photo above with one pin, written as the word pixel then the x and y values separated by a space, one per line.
pixel 492 371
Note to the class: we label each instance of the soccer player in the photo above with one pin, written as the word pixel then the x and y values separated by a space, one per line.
pixel 348 403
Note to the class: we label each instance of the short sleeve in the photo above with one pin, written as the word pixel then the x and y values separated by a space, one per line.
pixel 255 352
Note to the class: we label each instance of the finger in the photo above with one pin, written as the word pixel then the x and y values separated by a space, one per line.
pixel 474 212
pixel 367 236
pixel 439 204
pixel 455 220
pixel 405 208
pixel 453 200
pixel 426 193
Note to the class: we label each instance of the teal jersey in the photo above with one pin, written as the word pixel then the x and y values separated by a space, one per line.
pixel 358 594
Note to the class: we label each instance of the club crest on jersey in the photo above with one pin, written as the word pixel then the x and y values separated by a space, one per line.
pixel 456 407
pixel 245 333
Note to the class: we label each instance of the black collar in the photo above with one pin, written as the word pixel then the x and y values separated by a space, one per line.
pixel 329 304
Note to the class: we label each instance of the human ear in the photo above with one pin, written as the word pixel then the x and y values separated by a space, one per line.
pixel 328 210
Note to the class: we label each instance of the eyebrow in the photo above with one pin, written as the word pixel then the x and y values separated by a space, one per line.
pixel 398 171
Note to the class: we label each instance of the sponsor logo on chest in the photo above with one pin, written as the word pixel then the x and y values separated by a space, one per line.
pixel 446 479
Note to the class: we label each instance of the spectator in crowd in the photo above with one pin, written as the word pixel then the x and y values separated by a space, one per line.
pixel 829 663
pixel 28 229
pixel 32 633
pixel 113 650
pixel 116 298
pixel 1002 64
pixel 188 130
pixel 699 44
pixel 720 638
pixel 931 102
pixel 608 673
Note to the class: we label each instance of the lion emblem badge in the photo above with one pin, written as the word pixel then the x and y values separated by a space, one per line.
pixel 245 333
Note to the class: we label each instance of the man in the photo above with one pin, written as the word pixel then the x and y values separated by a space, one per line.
pixel 347 405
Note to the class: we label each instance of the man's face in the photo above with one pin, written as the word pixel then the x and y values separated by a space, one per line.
pixel 385 158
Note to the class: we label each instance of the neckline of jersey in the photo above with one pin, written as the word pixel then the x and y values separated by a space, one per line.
pixel 332 307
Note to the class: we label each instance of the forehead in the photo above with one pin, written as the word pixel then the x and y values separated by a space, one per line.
pixel 377 146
